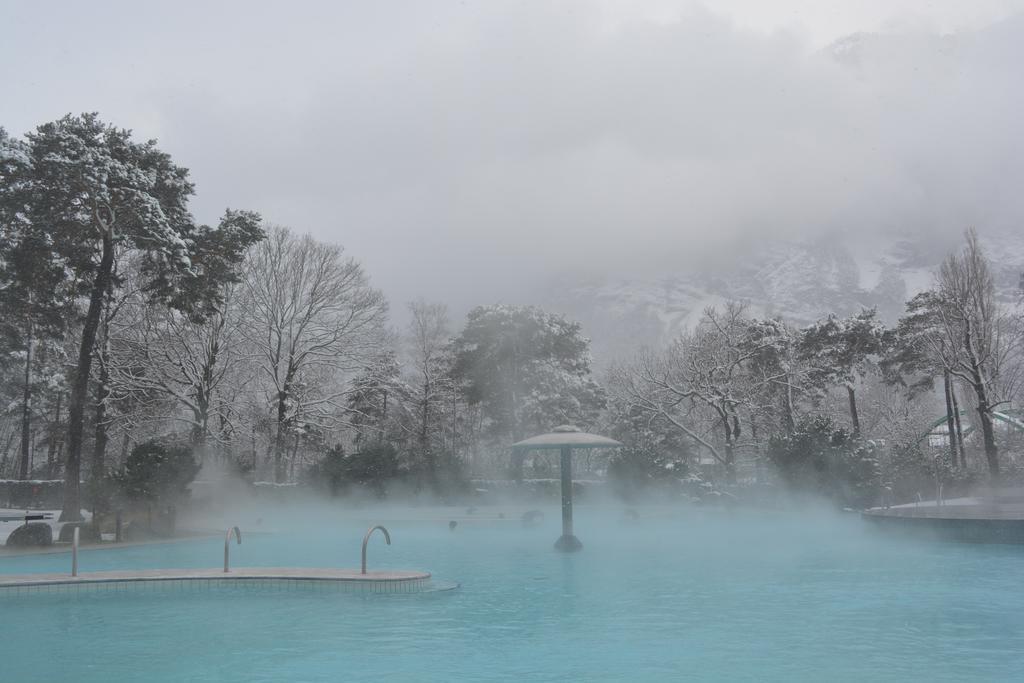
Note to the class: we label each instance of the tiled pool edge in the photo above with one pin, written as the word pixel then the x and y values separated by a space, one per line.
pixel 272 580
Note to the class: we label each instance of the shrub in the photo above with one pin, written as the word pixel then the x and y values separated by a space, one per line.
pixel 824 459
pixel 373 467
pixel 911 470
pixel 157 474
pixel 635 471
pixel 447 477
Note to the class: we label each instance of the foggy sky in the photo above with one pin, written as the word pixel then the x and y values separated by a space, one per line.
pixel 468 151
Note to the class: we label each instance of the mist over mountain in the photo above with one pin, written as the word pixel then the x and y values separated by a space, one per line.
pixel 799 281
pixel 938 181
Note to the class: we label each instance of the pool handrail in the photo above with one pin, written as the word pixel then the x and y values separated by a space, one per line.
pixel 74 551
pixel 227 543
pixel 366 539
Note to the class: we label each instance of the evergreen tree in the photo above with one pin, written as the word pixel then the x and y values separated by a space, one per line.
pixel 840 351
pixel 773 363
pixel 429 380
pixel 958 326
pixel 916 353
pixel 376 394
pixel 528 369
pixel 90 192
pixel 36 299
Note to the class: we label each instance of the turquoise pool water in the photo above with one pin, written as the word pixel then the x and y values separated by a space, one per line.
pixel 687 596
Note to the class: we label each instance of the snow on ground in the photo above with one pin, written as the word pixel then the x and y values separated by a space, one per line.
pixel 948 502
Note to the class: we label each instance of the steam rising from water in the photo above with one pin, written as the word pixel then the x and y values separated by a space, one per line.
pixel 741 594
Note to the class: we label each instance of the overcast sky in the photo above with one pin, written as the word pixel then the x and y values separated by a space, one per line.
pixel 466 151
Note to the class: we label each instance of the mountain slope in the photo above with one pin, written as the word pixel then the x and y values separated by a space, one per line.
pixel 797 281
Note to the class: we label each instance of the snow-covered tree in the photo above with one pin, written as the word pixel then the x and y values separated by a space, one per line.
pixel 177 355
pixel 707 383
pixel 428 337
pixel 36 297
pixel 527 369
pixel 90 192
pixel 916 353
pixel 961 328
pixel 842 351
pixel 775 367
pixel 161 355
pixel 311 315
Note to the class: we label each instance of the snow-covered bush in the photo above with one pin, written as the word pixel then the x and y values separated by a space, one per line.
pixel 823 459
pixel 155 477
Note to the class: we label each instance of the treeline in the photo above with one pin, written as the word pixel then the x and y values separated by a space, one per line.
pixel 844 406
pixel 270 354
pixel 266 351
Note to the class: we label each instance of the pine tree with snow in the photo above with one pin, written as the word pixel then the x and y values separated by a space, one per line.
pixel 376 394
pixel 36 300
pixel 92 193
pixel 529 370
pixel 841 351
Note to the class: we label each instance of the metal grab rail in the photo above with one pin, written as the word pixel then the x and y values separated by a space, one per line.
pixel 366 539
pixel 227 543
pixel 74 552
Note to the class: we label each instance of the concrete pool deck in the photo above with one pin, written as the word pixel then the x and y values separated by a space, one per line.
pixel 280 578
pixel 976 520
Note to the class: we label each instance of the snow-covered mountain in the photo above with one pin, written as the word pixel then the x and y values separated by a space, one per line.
pixel 798 281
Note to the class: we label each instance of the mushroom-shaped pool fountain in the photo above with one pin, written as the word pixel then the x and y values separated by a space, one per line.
pixel 564 439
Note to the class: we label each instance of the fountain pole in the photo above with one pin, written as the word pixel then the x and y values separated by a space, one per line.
pixel 564 439
pixel 568 541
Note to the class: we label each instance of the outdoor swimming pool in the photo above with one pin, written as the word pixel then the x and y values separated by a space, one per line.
pixel 689 595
